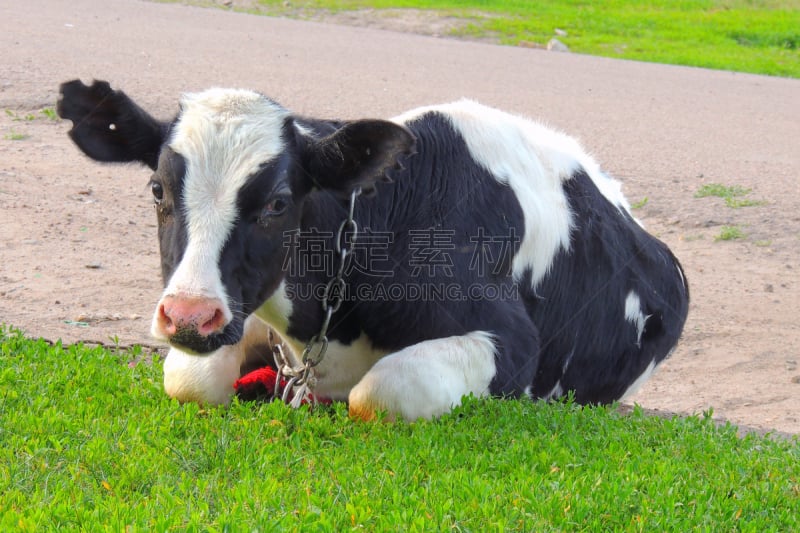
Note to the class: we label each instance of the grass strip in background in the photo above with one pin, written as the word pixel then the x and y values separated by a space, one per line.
pixel 757 36
pixel 88 441
pixel 733 195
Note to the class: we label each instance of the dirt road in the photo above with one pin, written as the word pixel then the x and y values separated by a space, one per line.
pixel 79 255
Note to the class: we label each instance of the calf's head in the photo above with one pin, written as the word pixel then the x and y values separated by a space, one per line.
pixel 231 174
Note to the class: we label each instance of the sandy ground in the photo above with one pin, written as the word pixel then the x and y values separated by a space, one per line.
pixel 79 254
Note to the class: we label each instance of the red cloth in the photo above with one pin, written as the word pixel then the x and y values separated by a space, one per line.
pixel 260 384
pixel 257 384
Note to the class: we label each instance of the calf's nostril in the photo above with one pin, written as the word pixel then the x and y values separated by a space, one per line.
pixel 165 322
pixel 213 324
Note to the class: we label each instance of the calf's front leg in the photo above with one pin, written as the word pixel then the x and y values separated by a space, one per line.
pixel 426 379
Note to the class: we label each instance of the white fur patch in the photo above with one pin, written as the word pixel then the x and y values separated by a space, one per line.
pixel 277 309
pixel 344 366
pixel 208 379
pixel 567 361
pixel 534 161
pixel 204 379
pixel 225 136
pixel 555 393
pixel 634 315
pixel 680 275
pixel 636 385
pixel 427 379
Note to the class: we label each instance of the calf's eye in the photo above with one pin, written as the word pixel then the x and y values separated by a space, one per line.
pixel 275 207
pixel 158 191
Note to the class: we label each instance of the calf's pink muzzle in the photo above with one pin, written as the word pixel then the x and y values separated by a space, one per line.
pixel 184 314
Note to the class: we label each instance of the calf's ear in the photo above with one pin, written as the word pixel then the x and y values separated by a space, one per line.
pixel 108 126
pixel 359 154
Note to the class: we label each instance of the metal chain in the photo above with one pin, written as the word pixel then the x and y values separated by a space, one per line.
pixel 302 376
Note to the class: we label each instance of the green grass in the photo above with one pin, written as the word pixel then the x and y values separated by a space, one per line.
pixel 736 203
pixel 49 113
pixel 88 441
pixel 759 36
pixel 45 113
pixel 731 194
pixel 730 233
pixel 720 191
pixel 16 136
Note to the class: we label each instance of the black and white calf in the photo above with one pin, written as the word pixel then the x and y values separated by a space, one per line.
pixel 499 261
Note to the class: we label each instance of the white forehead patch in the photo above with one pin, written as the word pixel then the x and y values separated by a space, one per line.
pixel 225 136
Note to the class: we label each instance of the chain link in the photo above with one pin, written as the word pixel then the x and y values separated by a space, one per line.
pixel 301 376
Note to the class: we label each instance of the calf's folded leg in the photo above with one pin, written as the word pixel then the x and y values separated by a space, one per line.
pixel 426 379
